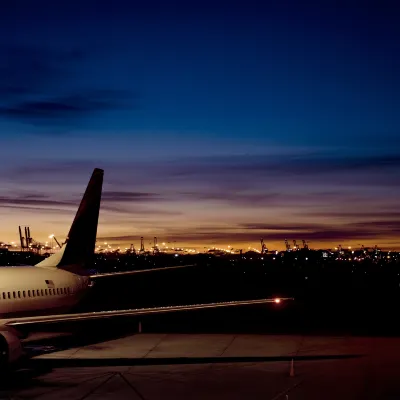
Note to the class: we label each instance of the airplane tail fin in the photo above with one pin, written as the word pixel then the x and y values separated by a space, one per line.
pixel 79 246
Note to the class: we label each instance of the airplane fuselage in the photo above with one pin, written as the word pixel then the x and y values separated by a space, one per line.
pixel 30 291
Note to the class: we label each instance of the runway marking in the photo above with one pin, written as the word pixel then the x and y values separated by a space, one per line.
pixel 286 391
pixel 212 364
pixel 228 345
pixel 156 345
pixel 136 391
pixel 62 379
pixel 96 387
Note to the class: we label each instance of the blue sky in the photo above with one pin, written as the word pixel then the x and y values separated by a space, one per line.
pixel 208 117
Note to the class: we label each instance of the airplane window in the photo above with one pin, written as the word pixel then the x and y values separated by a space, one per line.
pixel 65 290
pixel 58 291
pixel 19 294
pixel 4 295
pixel 37 293
pixel 9 295
pixel 41 292
pixel 54 291
pixel 45 292
pixel 14 295
pixel 23 293
pixel 29 293
pixel 33 293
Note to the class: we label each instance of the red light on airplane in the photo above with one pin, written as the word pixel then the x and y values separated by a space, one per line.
pixel 277 301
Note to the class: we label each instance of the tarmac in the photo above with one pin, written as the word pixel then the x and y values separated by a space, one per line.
pixel 214 366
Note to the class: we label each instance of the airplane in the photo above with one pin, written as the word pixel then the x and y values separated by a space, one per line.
pixel 44 293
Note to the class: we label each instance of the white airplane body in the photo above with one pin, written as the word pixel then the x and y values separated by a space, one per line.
pixel 34 290
pixel 43 294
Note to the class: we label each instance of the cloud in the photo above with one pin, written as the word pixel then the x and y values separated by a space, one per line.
pixel 33 208
pixel 116 196
pixel 289 165
pixel 34 88
pixel 5 201
pixel 233 197
pixel 241 206
pixel 284 227
pixel 326 235
pixel 31 70
pixel 371 214
pixel 252 232
pixel 239 173
pixel 45 203
pixel 219 236
pixel 66 108
pixel 389 226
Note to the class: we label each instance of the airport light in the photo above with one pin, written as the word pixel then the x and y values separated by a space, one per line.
pixel 277 301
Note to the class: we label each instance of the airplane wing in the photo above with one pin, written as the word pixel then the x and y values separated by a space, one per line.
pixel 26 321
pixel 102 275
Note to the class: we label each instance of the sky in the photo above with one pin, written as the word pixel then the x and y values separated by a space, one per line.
pixel 217 122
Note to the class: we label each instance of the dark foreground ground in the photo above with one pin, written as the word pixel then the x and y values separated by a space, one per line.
pixel 212 366
pixel 342 334
pixel 238 353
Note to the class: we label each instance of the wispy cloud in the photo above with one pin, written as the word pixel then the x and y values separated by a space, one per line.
pixel 64 108
pixel 32 201
pixel 283 227
pixel 218 236
pixel 33 88
pixel 178 203
pixel 32 70
pixel 130 197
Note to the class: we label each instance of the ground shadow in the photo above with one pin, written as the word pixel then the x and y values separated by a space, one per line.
pixel 102 362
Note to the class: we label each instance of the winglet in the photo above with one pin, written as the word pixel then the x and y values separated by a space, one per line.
pixel 80 243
